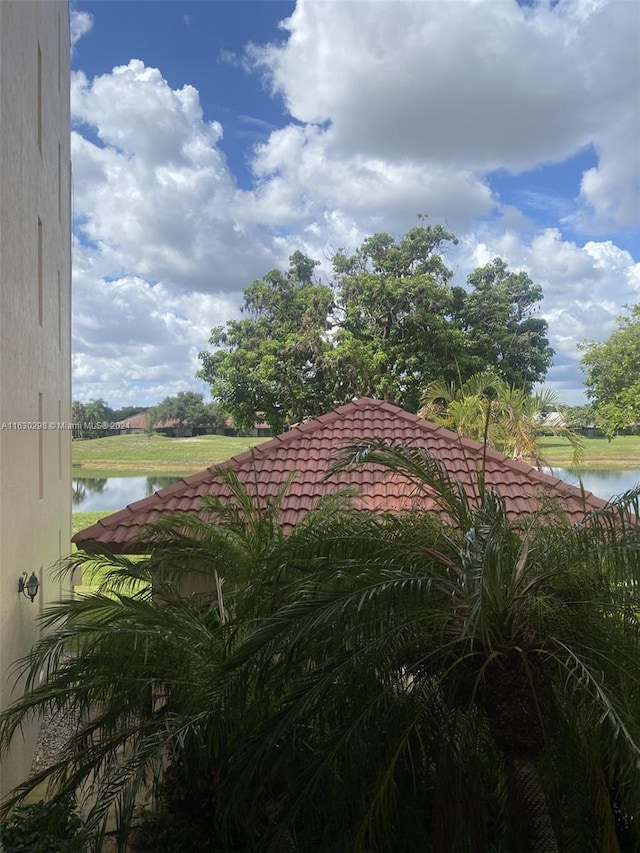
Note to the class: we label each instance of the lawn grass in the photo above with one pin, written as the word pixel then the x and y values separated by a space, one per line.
pixel 622 452
pixel 80 520
pixel 141 453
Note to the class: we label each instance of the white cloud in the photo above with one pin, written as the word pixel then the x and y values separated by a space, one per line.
pixel 584 288
pixel 137 342
pixel 157 196
pixel 611 190
pixel 80 23
pixel 300 173
pixel 460 89
pixel 162 256
pixel 397 108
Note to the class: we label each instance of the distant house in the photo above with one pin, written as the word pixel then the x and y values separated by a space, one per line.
pixel 133 424
pixel 309 449
pixel 552 419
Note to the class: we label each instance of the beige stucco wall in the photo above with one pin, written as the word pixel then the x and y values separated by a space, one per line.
pixel 35 312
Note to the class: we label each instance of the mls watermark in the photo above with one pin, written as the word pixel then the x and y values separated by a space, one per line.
pixel 53 426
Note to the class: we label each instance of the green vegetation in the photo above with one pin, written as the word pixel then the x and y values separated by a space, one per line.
pixel 80 520
pixel 486 408
pixel 612 370
pixel 411 682
pixel 622 452
pixel 186 409
pixel 42 828
pixel 142 453
pixel 389 323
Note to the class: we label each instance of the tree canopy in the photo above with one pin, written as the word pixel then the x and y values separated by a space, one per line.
pixel 388 323
pixel 498 314
pixel 187 409
pixel 613 374
pixel 94 411
pixel 270 366
pixel 90 419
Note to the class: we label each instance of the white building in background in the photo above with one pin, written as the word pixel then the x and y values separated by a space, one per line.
pixel 35 328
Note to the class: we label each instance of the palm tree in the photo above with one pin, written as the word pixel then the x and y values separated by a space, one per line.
pixel 472 684
pixel 486 408
pixel 455 681
pixel 464 408
pixel 138 660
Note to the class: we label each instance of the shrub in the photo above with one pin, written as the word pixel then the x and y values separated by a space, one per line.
pixel 41 828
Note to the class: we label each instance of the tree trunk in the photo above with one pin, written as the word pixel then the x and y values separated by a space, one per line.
pixel 515 723
pixel 532 805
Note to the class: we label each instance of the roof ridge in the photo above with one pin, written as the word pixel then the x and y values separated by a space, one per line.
pixel 307 426
pixel 308 446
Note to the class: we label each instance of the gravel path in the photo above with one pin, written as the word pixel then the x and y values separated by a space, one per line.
pixel 55 731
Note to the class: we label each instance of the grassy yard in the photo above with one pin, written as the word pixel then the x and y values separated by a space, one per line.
pixel 140 454
pixel 622 452
pixel 80 520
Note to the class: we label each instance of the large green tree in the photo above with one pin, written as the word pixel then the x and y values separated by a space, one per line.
pixel 389 323
pixel 498 314
pixel 612 369
pixel 187 409
pixel 394 312
pixel 270 366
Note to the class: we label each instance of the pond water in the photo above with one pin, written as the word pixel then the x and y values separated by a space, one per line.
pixel 604 484
pixel 95 495
pixel 92 494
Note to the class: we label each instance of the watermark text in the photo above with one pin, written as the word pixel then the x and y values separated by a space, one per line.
pixel 84 426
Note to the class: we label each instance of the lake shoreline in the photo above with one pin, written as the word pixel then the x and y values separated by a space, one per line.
pixel 86 469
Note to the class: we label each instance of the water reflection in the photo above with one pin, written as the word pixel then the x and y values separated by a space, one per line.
pixel 80 487
pixel 604 484
pixel 93 494
pixel 155 483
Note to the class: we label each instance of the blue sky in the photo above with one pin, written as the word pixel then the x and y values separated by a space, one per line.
pixel 212 139
pixel 197 43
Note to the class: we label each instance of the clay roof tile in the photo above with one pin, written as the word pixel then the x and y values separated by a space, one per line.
pixel 310 448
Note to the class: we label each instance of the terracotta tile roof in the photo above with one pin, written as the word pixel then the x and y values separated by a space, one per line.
pixel 310 448
pixel 139 421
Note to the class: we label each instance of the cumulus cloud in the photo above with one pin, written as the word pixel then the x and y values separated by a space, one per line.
pixel 300 173
pixel 154 191
pixel 133 340
pixel 81 23
pixel 611 190
pixel 584 288
pixel 161 256
pixel 395 108
pixel 456 90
